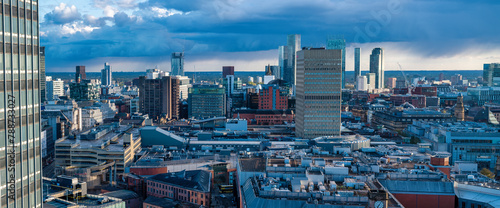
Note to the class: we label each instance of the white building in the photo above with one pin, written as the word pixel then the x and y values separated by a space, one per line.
pixel 370 80
pixel 361 83
pixel 55 88
pixel 155 73
pixel 259 79
pixel 91 116
pixel 183 87
pixel 108 110
pixel 268 78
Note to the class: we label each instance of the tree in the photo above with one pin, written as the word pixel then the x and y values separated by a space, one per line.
pixel 486 172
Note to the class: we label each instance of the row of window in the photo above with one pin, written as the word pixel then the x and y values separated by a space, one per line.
pixel 16 48
pixel 15 11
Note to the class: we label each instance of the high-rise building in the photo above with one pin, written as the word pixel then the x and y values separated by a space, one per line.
pixel 43 92
pixel 206 101
pixel 55 88
pixel 227 70
pixel 159 97
pixel 183 87
pixel 80 73
pixel 491 75
pixel 106 78
pixel 371 80
pixel 459 108
pixel 287 55
pixel 20 146
pixel 338 42
pixel 377 67
pixel 457 79
pixel 177 64
pixel 361 83
pixel 84 90
pixel 273 70
pixel 319 89
pixel 357 62
pixel 283 61
pixel 392 82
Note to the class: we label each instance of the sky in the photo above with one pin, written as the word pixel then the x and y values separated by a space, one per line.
pixel 135 35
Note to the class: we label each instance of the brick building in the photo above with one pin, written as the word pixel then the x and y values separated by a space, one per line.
pixel 271 97
pixel 186 186
pixel 266 117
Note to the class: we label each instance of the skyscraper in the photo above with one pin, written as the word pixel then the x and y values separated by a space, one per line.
pixel 370 79
pixel 338 42
pixel 282 61
pixel 159 97
pixel 20 143
pixel 80 73
pixel 459 108
pixel 55 88
pixel 319 89
pixel 43 92
pixel 357 62
pixel 106 75
pixel 491 74
pixel 227 70
pixel 288 55
pixel 392 82
pixel 177 64
pixel 377 67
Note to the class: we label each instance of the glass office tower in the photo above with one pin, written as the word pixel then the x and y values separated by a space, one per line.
pixel 177 64
pixel 338 42
pixel 20 144
pixel 106 75
pixel 319 90
pixel 377 67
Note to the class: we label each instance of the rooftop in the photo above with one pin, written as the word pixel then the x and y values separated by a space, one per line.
pixel 112 141
pixel 195 179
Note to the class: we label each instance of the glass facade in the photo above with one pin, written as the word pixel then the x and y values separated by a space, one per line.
pixel 106 73
pixel 20 144
pixel 318 93
pixel 177 64
pixel 338 42
pixel 377 67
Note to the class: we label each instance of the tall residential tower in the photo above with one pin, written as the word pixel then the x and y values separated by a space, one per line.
pixel 377 67
pixel 177 64
pixel 357 62
pixel 106 75
pixel 20 142
pixel 287 58
pixel 319 88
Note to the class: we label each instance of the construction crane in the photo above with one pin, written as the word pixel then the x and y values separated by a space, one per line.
pixel 408 85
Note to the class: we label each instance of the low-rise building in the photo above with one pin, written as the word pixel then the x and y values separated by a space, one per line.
pixel 265 117
pixel 399 119
pixel 99 146
pixel 187 186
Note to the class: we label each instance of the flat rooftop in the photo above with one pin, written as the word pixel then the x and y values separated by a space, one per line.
pixel 114 136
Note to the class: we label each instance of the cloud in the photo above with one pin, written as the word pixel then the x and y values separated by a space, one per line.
pixel 63 14
pixel 155 28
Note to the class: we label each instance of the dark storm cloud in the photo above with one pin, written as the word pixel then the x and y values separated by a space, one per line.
pixel 158 27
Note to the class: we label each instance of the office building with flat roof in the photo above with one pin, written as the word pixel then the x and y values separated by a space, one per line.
pixel 319 89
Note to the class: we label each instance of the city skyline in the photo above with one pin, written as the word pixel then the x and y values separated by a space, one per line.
pixel 80 34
